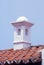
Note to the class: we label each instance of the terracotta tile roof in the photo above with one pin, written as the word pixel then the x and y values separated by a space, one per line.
pixel 26 55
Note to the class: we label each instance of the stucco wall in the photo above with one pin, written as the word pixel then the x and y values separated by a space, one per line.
pixel 23 37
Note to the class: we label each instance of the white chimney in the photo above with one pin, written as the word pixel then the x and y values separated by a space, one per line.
pixel 21 33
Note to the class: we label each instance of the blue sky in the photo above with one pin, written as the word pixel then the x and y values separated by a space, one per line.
pixel 10 10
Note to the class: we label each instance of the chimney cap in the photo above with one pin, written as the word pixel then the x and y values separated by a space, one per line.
pixel 22 18
pixel 22 21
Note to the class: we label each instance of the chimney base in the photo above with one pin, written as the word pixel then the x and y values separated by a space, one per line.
pixel 22 45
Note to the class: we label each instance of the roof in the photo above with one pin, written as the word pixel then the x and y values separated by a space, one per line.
pixel 25 55
pixel 22 23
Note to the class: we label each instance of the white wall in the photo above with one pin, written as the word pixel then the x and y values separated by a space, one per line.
pixel 18 38
pixel 27 37
pixel 42 56
pixel 22 37
pixel 21 46
pixel 18 46
pixel 26 45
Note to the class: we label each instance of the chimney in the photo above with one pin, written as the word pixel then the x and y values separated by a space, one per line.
pixel 22 29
